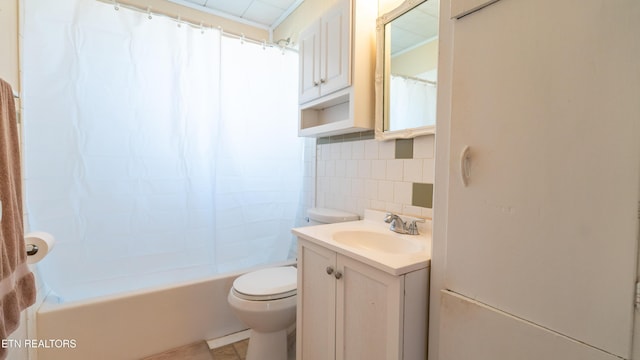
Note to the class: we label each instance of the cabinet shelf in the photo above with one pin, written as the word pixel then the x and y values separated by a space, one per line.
pixel 331 115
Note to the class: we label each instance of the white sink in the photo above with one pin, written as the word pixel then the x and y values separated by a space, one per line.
pixel 377 241
pixel 371 242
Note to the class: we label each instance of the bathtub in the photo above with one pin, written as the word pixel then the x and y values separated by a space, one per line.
pixel 138 324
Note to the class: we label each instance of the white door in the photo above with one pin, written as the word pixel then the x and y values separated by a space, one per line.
pixel 546 95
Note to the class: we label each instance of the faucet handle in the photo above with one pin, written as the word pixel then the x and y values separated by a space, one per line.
pixel 412 229
pixel 389 217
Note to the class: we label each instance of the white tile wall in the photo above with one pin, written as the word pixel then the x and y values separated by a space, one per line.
pixel 364 174
pixel 307 197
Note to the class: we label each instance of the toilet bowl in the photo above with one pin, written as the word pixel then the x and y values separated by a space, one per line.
pixel 265 300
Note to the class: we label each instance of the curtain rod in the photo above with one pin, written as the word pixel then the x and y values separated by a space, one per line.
pixel 282 43
pixel 434 83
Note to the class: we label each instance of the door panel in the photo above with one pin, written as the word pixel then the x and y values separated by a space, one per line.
pixel 336 46
pixel 309 63
pixel 547 227
pixel 316 303
pixel 369 312
pixel 471 330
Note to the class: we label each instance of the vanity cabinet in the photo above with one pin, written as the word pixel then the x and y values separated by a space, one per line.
pixel 350 310
pixel 337 70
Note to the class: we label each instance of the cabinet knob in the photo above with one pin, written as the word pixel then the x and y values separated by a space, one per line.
pixel 329 270
pixel 322 81
pixel 315 83
pixel 338 275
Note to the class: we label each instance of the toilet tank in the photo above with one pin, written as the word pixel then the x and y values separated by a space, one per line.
pixel 318 216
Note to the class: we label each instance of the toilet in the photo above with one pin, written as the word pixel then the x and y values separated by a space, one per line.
pixel 265 300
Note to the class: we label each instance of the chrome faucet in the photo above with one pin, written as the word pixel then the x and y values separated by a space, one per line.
pixel 400 226
pixel 397 225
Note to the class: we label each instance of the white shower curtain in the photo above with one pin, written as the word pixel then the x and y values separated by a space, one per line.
pixel 260 158
pixel 153 152
pixel 414 103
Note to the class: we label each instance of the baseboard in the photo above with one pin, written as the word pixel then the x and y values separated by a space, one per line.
pixel 229 339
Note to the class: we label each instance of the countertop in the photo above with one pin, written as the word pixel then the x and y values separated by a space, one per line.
pixel 392 263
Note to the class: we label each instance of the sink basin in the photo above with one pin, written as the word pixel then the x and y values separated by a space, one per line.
pixel 376 241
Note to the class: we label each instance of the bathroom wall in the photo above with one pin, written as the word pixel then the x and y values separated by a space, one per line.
pixel 355 172
pixel 308 195
pixel 417 60
pixel 304 15
pixel 309 11
pixel 9 68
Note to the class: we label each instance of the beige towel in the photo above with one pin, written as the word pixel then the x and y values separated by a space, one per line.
pixel 17 285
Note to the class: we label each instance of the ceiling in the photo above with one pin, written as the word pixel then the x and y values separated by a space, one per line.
pixel 415 27
pixel 266 14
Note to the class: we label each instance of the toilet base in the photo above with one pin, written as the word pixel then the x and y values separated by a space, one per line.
pixel 267 346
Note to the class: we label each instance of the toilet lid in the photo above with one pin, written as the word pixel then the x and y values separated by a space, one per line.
pixel 267 284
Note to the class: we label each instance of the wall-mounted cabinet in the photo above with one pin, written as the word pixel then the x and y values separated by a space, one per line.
pixel 337 64
pixel 324 54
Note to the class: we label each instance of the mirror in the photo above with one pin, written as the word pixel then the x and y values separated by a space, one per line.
pixel 406 70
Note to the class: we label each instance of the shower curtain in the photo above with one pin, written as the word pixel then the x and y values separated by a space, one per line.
pixel 154 152
pixel 414 103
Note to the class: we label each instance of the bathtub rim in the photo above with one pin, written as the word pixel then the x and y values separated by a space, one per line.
pixel 49 305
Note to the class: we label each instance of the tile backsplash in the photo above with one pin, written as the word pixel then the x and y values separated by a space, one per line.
pixel 358 172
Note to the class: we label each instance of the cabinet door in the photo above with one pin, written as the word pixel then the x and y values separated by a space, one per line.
pixel 369 311
pixel 316 303
pixel 309 43
pixel 335 69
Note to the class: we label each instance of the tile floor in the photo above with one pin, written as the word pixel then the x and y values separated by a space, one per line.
pixel 196 351
pixel 238 351
pixel 200 351
pixel 235 351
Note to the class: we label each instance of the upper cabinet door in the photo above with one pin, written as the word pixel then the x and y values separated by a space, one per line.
pixel 309 46
pixel 543 207
pixel 325 53
pixel 336 48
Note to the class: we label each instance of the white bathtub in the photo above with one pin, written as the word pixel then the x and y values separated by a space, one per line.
pixel 137 324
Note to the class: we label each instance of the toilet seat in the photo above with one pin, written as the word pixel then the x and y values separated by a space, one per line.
pixel 267 284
